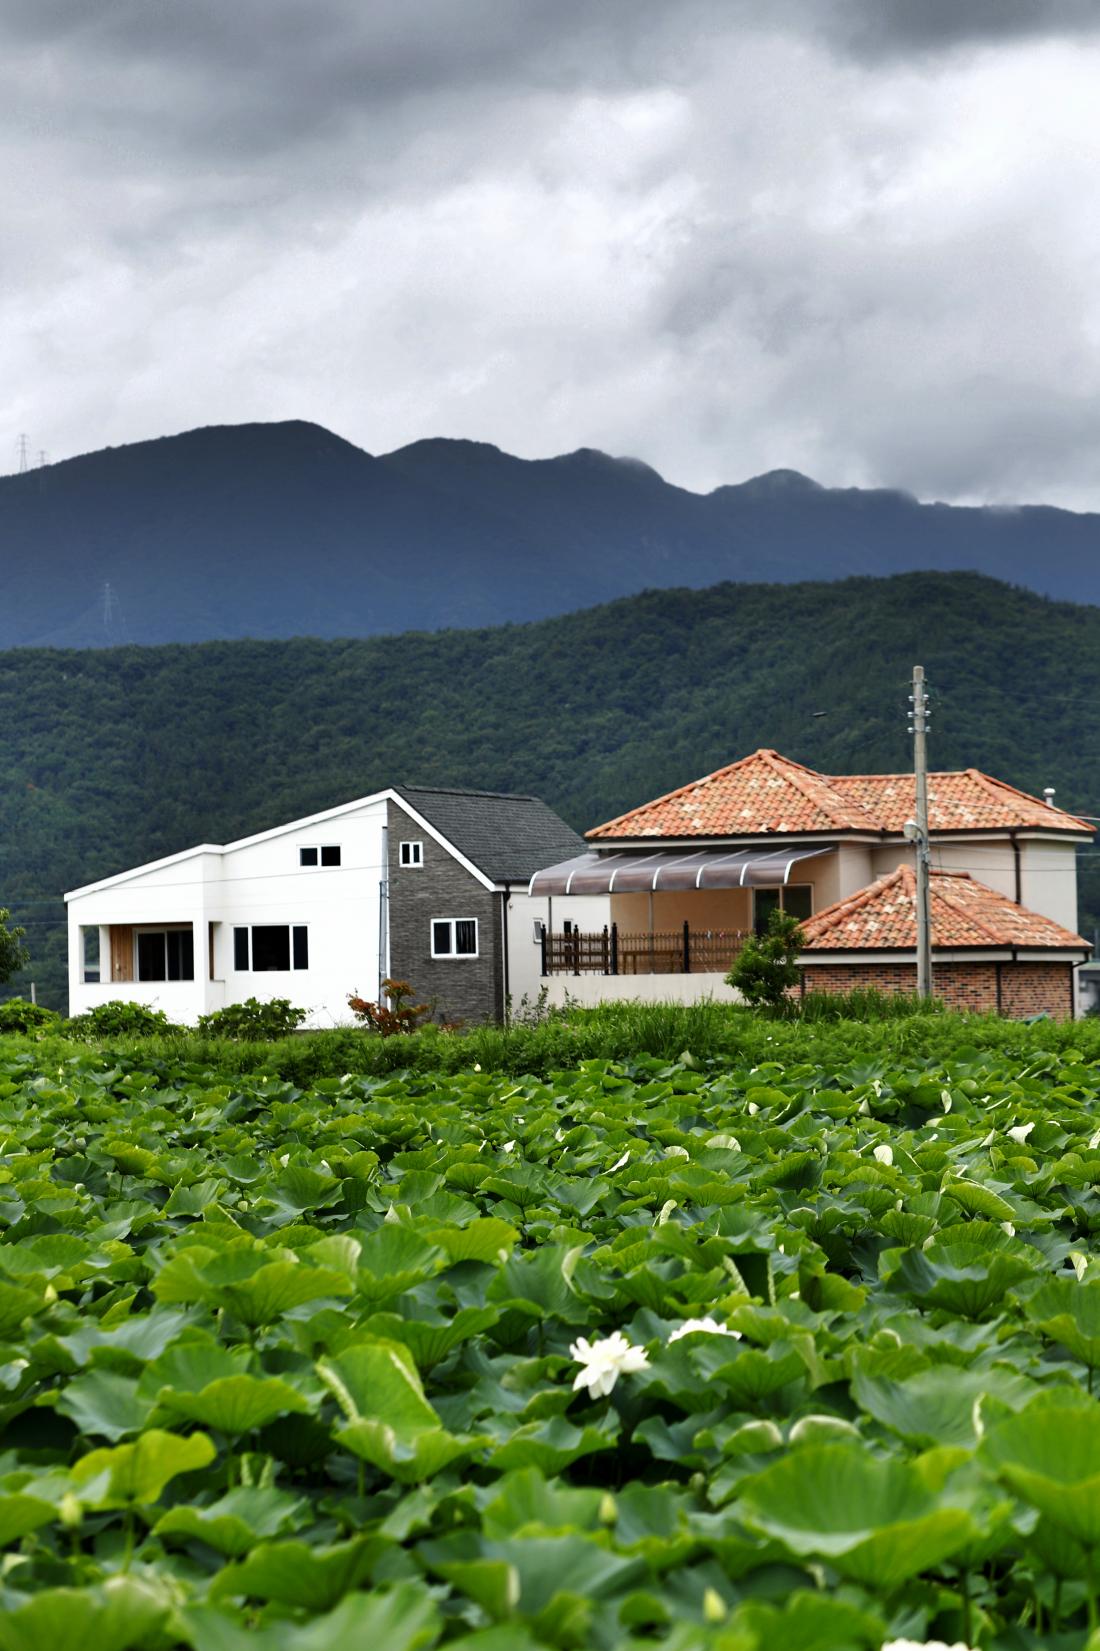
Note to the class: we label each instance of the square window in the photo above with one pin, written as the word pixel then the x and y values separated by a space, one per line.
pixel 307 856
pixel 412 854
pixel 270 948
pixel 330 854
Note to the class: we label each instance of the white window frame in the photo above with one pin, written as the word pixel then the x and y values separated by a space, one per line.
pixel 454 956
pixel 339 847
pixel 290 928
pixel 415 861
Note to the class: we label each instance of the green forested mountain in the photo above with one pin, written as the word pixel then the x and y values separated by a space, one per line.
pixel 112 757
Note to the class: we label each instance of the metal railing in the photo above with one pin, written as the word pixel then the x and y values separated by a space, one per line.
pixel 610 951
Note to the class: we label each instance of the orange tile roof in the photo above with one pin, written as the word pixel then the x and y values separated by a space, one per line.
pixel 957 801
pixel 883 917
pixel 762 793
pixel 767 794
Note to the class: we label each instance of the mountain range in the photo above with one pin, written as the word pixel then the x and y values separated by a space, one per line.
pixel 114 756
pixel 280 530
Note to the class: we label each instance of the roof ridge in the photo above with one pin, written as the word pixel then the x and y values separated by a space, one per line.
pixel 969 916
pixel 990 782
pixel 682 790
pixel 465 791
pixel 782 764
pixel 854 902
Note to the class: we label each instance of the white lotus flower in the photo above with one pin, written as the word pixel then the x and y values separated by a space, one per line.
pixel 604 1361
pixel 924 1645
pixel 710 1326
pixel 1080 1262
pixel 509 1146
pixel 1021 1132
pixel 884 1154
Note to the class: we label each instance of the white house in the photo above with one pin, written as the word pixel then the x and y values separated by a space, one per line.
pixel 428 885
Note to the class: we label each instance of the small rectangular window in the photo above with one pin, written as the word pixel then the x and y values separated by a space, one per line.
pixel 271 948
pixel 454 937
pixel 90 953
pixel 307 856
pixel 330 854
pixel 412 854
pixel 179 945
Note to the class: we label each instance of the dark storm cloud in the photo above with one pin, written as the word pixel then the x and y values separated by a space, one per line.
pixel 851 236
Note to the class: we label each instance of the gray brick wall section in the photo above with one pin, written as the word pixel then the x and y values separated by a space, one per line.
pixel 466 989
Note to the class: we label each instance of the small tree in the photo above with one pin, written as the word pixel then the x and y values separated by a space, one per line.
pixel 394 1018
pixel 766 968
pixel 13 954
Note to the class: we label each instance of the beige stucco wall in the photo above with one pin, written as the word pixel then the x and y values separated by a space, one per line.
pixel 1048 880
pixel 729 909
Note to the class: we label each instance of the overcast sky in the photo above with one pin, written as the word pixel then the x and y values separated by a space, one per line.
pixel 858 238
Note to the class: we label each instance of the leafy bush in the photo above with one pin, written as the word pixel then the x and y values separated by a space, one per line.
pixel 119 1019
pixel 253 1021
pixel 13 954
pixel 396 1017
pixel 766 969
pixel 19 1015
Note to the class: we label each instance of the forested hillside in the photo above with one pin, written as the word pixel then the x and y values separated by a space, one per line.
pixel 283 530
pixel 113 757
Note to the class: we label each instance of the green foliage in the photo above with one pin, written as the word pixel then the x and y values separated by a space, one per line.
pixel 120 1019
pixel 117 756
pixel 286 1365
pixel 19 1015
pixel 766 969
pixel 253 1021
pixel 13 954
pixel 866 1003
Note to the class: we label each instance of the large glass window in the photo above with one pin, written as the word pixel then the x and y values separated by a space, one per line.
pixel 271 948
pixel 165 954
pixel 454 937
pixel 796 898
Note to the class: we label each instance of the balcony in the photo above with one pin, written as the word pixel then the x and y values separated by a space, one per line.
pixel 611 951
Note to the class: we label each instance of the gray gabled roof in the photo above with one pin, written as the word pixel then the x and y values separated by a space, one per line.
pixel 509 838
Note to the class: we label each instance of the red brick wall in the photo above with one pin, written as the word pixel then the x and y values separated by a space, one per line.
pixel 1026 988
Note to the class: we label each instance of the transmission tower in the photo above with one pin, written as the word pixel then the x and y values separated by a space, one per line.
pixel 43 458
pixel 23 461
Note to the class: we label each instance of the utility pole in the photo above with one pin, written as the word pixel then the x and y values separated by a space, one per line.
pixel 917 832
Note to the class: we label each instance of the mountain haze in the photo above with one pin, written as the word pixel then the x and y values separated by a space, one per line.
pixel 280 530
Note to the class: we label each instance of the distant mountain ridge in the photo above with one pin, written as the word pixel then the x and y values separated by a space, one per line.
pixel 279 530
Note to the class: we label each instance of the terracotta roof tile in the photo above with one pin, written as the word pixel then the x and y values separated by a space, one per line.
pixel 766 794
pixel 759 794
pixel 882 917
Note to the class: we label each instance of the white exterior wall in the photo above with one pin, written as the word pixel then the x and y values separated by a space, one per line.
pixel 590 989
pixel 257 882
pixel 587 912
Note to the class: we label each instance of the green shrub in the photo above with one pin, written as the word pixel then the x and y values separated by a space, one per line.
pixel 17 1015
pixel 253 1021
pixel 119 1019
pixel 766 968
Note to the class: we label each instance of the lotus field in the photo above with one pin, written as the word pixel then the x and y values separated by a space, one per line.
pixel 780 1358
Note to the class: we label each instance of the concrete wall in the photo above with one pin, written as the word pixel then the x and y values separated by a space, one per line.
pixel 589 913
pixel 590 989
pixel 1048 880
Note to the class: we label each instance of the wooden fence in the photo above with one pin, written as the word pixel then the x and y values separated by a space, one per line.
pixel 613 952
